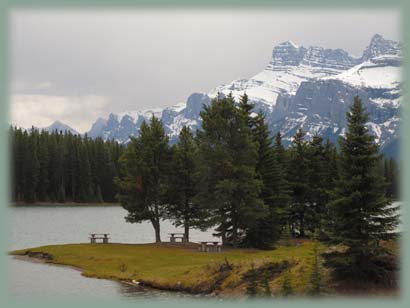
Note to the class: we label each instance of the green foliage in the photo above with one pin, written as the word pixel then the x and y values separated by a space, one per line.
pixel 392 175
pixel 168 266
pixel 321 180
pixel 299 183
pixel 287 289
pixel 286 236
pixel 317 287
pixel 182 185
pixel 266 287
pixel 231 176
pixel 228 186
pixel 60 167
pixel 258 279
pixel 361 213
pixel 269 169
pixel 143 181
pixel 252 286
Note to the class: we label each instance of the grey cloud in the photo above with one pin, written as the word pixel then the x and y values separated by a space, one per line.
pixel 145 59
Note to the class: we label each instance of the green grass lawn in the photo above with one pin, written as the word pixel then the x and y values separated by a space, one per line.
pixel 183 268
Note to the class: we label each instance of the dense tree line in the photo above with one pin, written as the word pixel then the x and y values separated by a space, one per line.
pixel 62 167
pixel 233 177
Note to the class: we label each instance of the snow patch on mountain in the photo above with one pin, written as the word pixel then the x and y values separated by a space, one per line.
pixel 308 87
pixel 380 72
pixel 290 65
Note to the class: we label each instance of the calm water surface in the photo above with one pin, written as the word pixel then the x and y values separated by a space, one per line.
pixel 37 226
pixel 32 226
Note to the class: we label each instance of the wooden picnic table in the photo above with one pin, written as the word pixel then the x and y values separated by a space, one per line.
pixel 210 246
pixel 176 235
pixel 99 236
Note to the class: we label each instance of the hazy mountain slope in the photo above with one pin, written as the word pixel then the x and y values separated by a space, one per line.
pixel 300 87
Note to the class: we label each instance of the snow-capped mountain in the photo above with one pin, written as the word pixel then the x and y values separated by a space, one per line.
pixel 59 126
pixel 303 87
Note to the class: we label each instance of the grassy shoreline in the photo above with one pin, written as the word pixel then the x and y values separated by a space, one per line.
pixel 179 267
pixel 182 267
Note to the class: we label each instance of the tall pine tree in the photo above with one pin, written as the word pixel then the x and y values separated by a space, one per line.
pixel 267 230
pixel 182 185
pixel 227 158
pixel 299 185
pixel 143 184
pixel 362 215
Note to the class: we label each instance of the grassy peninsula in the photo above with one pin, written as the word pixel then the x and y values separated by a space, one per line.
pixel 228 274
pixel 183 268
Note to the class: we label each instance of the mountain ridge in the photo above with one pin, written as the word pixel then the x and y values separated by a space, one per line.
pixel 308 87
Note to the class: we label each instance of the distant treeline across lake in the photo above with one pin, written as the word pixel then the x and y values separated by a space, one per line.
pixel 61 167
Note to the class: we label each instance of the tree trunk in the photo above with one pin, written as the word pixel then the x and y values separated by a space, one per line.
pixel 186 231
pixel 157 233
pixel 186 221
pixel 302 226
pixel 223 229
pixel 156 225
pixel 223 237
pixel 157 229
pixel 234 238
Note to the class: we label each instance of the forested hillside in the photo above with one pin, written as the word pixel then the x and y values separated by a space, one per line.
pixel 60 167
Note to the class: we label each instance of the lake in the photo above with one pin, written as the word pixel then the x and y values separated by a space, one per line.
pixel 31 226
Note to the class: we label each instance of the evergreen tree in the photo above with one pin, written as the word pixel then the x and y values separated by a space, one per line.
pixel 267 229
pixel 246 108
pixel 85 175
pixel 286 236
pixel 330 177
pixel 145 165
pixel 281 188
pixel 43 159
pixel 20 149
pixel 61 167
pixel 227 156
pixel 299 186
pixel 182 185
pixel 32 168
pixel 391 175
pixel 362 215
pixel 317 193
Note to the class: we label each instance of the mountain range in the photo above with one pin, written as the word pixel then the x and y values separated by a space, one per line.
pixel 301 87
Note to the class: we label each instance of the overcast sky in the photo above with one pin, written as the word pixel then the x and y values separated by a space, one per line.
pixel 75 66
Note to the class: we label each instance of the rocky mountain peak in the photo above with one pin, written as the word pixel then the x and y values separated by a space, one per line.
pixel 59 126
pixel 301 87
pixel 328 58
pixel 380 46
pixel 287 53
pixel 97 127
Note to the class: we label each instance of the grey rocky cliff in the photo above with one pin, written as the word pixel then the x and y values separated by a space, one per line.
pixel 303 87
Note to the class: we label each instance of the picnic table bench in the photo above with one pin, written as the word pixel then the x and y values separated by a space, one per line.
pixel 175 236
pixel 99 236
pixel 210 247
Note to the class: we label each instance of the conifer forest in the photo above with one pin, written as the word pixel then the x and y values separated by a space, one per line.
pixel 233 175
